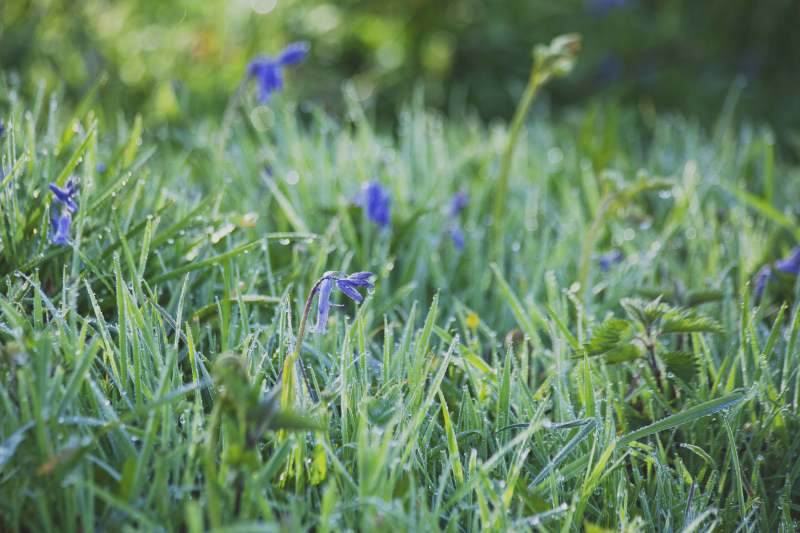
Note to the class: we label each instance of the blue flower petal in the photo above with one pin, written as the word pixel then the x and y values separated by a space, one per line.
pixel 349 289
pixel 324 306
pixel 294 53
pixel 458 202
pixel 791 263
pixel 376 204
pixel 62 229
pixel 458 238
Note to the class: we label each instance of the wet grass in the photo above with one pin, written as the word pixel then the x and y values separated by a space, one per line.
pixel 470 391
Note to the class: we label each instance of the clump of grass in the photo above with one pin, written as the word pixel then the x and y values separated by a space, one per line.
pixel 139 363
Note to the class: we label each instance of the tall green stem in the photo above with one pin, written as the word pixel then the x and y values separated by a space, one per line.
pixel 536 81
pixel 300 333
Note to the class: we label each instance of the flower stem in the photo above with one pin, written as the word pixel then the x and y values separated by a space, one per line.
pixel 300 332
pixel 535 83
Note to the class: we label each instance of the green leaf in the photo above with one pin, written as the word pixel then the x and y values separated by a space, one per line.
pixel 682 364
pixel 380 410
pixel 647 314
pixel 695 298
pixel 612 339
pixel 690 415
pixel 685 321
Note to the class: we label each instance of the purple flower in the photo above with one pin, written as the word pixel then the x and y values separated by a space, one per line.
pixel 376 204
pixel 791 263
pixel 65 195
pixel 458 238
pixel 2 128
pixel 458 202
pixel 62 228
pixel 347 285
pixel 268 71
pixel 788 265
pixel 102 167
pixel 608 259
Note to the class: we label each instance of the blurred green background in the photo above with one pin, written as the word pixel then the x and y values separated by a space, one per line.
pixel 179 59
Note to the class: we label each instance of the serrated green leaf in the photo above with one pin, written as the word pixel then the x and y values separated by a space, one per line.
pixel 684 365
pixel 612 335
pixel 685 321
pixel 695 298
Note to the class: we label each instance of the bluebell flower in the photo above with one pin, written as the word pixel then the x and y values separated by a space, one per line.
pixel 65 195
pixel 791 263
pixel 608 259
pixel 268 71
pixel 375 203
pixel 62 228
pixel 346 284
pixel 102 167
pixel 458 202
pixel 458 237
pixel 2 128
pixel 760 280
pixel 788 265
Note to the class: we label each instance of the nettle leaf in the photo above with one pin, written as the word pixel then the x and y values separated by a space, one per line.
pixel 612 339
pixel 655 292
pixel 682 364
pixel 647 314
pixel 629 352
pixel 380 410
pixel 685 321
pixel 695 298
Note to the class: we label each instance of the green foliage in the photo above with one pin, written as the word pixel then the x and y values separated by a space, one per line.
pixel 139 366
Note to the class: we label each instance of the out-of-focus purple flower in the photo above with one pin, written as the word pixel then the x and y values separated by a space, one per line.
pixel 102 167
pixel 791 263
pixel 62 228
pixel 458 238
pixel 2 128
pixel 608 259
pixel 268 70
pixel 346 284
pixel 760 280
pixel 375 203
pixel 601 8
pixel 65 195
pixel 458 202
pixel 788 265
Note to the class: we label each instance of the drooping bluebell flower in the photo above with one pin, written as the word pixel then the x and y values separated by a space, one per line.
pixel 62 228
pixel 608 259
pixel 268 70
pixel 65 195
pixel 375 203
pixel 346 284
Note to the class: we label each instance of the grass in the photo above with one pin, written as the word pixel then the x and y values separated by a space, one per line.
pixel 469 392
